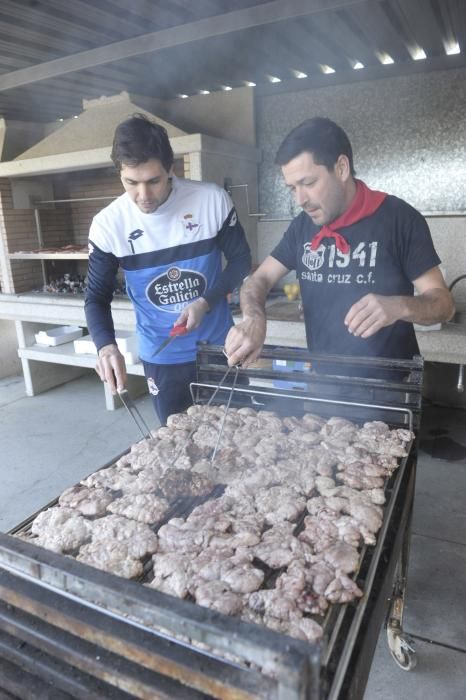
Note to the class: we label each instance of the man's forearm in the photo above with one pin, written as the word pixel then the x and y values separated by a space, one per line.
pixel 433 306
pixel 253 294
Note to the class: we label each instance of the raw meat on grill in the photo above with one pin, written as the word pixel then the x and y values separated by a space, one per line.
pixel 111 556
pixel 172 573
pixel 60 529
pixel 182 482
pixel 218 596
pixel 300 497
pixel 178 536
pixel 279 503
pixel 88 501
pixel 342 589
pixel 138 537
pixel 143 507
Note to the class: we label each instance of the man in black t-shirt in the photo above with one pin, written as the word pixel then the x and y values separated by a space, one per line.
pixel 359 255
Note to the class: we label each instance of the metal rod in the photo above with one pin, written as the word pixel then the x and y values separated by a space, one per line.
pixel 460 385
pixel 225 415
pixel 77 199
pixel 337 402
pixel 41 242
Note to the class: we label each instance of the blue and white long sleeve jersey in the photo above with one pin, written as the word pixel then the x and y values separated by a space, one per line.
pixel 170 258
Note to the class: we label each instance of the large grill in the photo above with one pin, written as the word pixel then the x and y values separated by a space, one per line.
pixel 69 630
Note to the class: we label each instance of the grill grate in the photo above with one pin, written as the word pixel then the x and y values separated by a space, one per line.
pixel 147 640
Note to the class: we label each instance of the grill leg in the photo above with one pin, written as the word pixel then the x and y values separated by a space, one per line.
pixel 401 646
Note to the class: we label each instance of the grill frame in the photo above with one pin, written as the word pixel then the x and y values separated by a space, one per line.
pixel 302 670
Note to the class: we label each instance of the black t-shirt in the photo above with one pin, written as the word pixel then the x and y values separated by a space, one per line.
pixel 388 251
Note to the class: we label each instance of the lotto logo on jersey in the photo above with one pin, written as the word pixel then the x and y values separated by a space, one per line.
pixel 175 288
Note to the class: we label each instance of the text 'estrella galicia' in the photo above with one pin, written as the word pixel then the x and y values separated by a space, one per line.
pixel 133 236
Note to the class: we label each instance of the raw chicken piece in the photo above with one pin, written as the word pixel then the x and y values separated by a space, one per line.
pixel 358 480
pixel 143 507
pixel 137 537
pixel 218 596
pixel 278 546
pixel 341 557
pixel 342 589
pixel 60 529
pixel 312 422
pixel 172 573
pixel 183 482
pixel 113 557
pixel 88 501
pixel 319 531
pixel 305 628
pixel 177 536
pixel 325 485
pixel 181 421
pixel 279 503
pixel 273 603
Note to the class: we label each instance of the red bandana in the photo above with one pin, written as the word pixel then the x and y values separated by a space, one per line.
pixel 365 203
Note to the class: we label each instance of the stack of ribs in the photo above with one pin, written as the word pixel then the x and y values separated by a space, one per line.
pixel 282 542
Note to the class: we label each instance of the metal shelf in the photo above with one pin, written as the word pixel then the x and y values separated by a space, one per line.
pixel 48 256
pixel 65 355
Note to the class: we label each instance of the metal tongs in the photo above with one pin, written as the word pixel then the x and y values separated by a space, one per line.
pixel 222 425
pixel 135 414
pixel 217 389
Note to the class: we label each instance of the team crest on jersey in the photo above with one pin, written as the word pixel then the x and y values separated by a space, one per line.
pixel 189 224
pixel 175 288
pixel 313 259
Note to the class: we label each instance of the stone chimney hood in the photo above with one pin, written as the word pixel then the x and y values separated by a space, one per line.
pixel 84 142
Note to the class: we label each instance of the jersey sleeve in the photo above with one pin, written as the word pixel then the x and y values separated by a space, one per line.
pixel 231 240
pixel 101 277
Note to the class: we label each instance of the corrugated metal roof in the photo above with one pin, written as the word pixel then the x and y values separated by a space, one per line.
pixel 54 54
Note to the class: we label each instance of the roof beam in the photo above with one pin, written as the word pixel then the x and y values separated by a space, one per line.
pixel 267 13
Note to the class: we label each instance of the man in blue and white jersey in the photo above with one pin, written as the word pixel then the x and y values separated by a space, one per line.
pixel 168 235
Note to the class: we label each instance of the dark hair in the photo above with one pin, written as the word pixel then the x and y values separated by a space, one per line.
pixel 137 140
pixel 320 136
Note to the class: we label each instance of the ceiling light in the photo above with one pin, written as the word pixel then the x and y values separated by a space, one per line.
pixel 204 92
pixel 274 79
pixel 299 74
pixel 385 59
pixel 183 97
pixel 452 47
pixel 357 65
pixel 327 69
pixel 227 87
pixel 249 83
pixel 417 54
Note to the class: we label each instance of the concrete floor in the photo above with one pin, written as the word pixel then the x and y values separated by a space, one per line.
pixel 53 440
